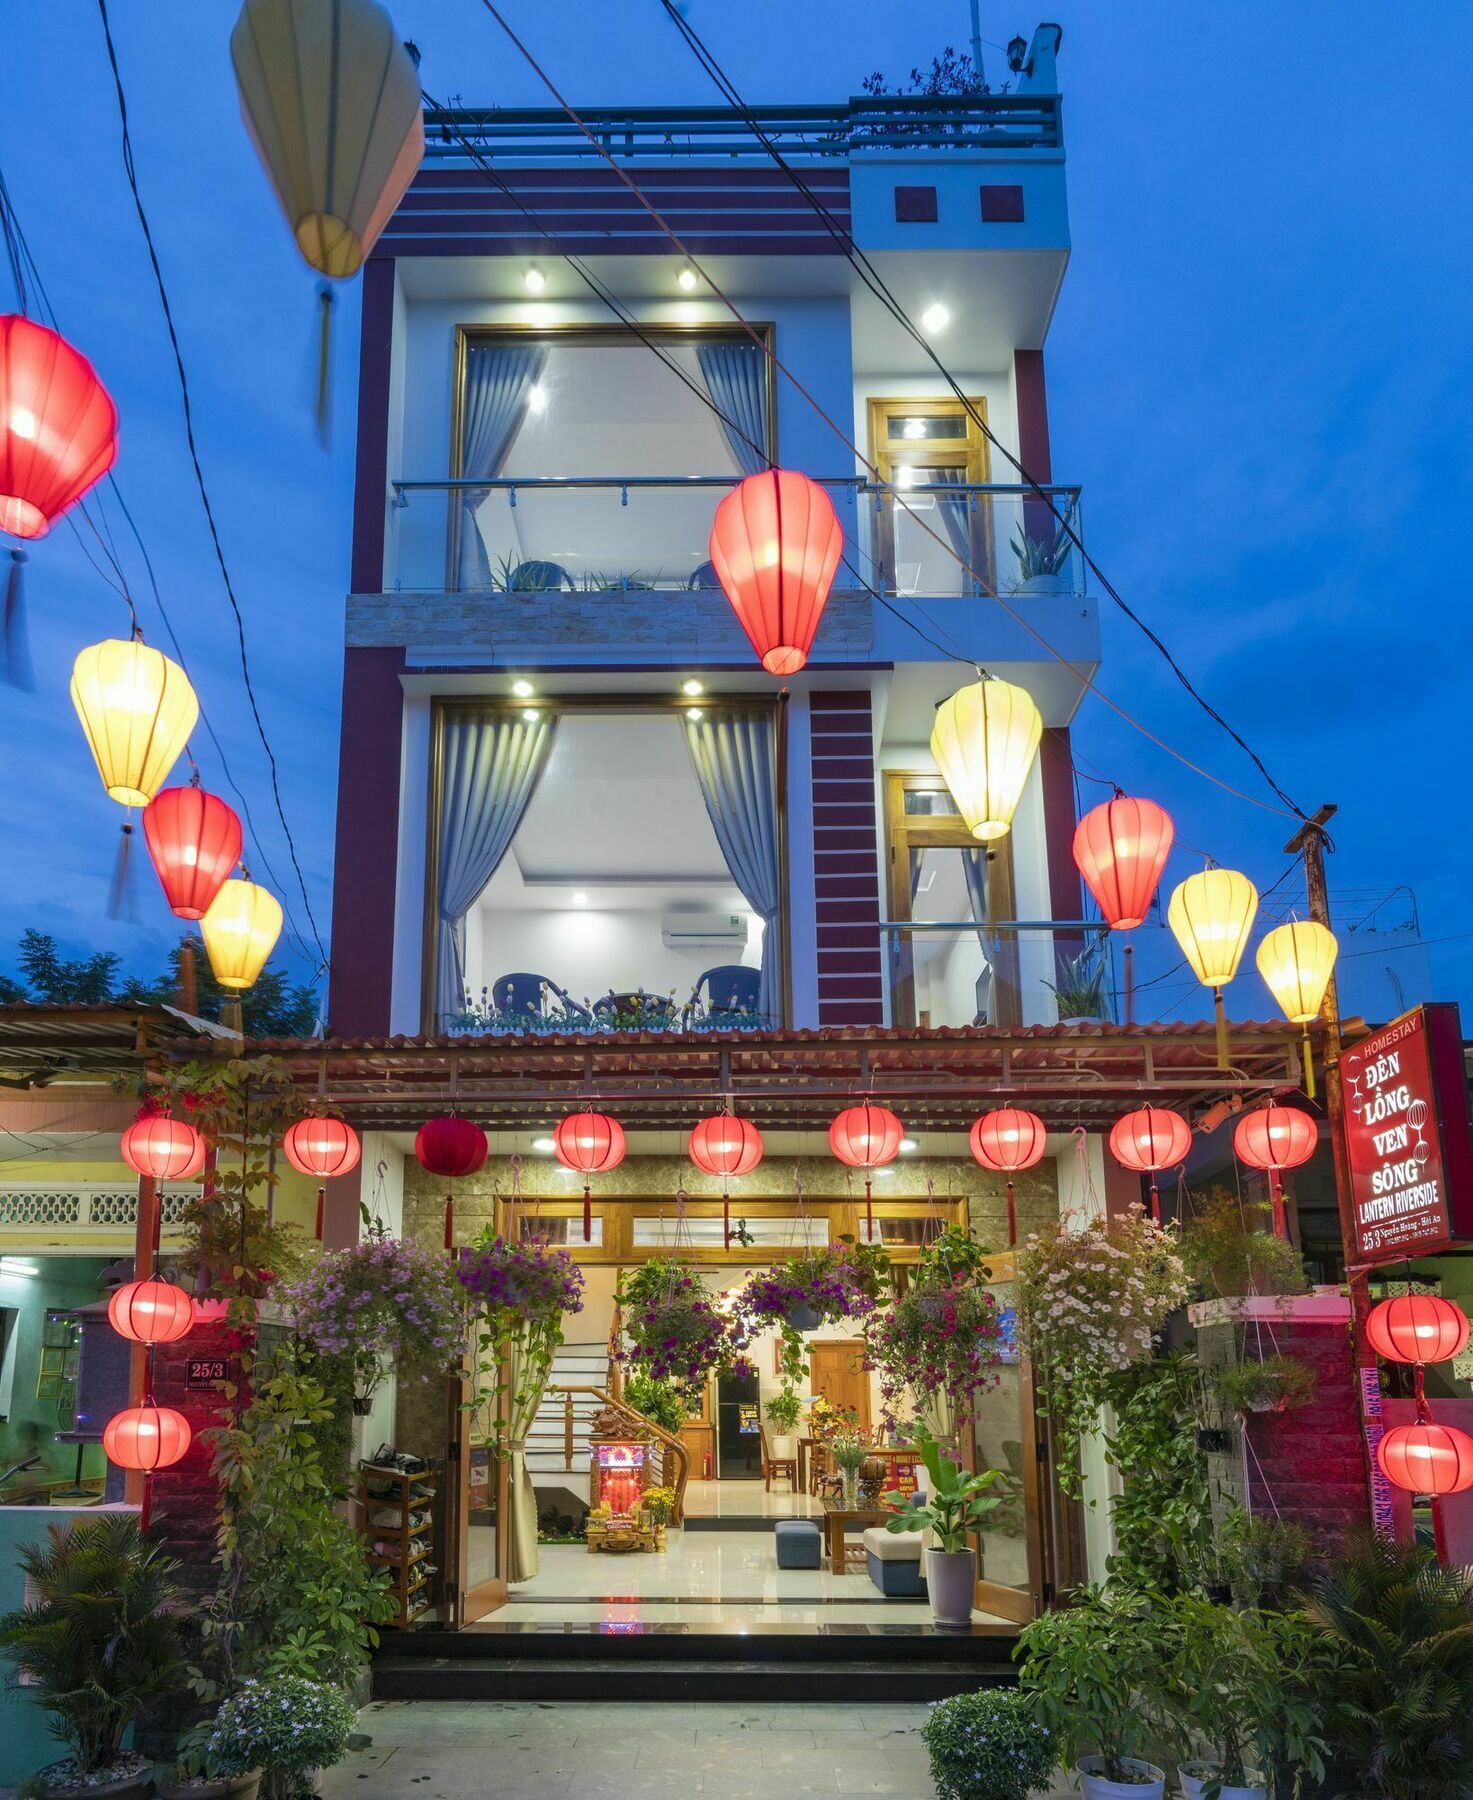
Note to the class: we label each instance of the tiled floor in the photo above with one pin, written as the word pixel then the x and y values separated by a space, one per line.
pixel 748 1499
pixel 459 1750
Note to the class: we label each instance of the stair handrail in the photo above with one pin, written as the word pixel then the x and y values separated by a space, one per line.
pixel 671 1444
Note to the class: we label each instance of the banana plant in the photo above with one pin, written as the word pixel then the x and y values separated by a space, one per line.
pixel 955 1503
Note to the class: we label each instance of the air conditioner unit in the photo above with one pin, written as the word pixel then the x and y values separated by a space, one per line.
pixel 703 931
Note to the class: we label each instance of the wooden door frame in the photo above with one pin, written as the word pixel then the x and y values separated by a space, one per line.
pixel 975 455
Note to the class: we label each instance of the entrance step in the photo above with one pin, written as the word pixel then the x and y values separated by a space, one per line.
pixel 741 1521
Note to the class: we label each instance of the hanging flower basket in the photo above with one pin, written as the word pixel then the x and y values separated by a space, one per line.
pixel 938 1340
pixel 384 1302
pixel 527 1283
pixel 672 1329
pixel 822 1287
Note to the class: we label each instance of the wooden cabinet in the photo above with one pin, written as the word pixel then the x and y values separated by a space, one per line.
pixel 396 1515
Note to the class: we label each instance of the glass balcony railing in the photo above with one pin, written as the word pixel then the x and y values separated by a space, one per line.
pixel 950 972
pixel 619 535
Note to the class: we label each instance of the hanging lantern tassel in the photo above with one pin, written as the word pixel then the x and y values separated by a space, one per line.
pixel 1155 1202
pixel 120 894
pixel 1276 1194
pixel 587 1214
pixel 449 1220
pixel 725 1217
pixel 1129 955
pixel 1012 1217
pixel 15 652
pixel 869 1213
pixel 1308 1065
pixel 321 1210
pixel 322 410
pixel 1222 1035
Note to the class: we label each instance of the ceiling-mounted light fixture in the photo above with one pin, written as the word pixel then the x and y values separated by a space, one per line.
pixel 692 688
pixel 688 279
pixel 936 317
pixel 534 280
pixel 523 690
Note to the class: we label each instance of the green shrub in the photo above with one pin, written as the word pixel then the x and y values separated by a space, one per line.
pixel 286 1728
pixel 1230 1246
pixel 783 1411
pixel 1261 1557
pixel 661 1401
pixel 987 1746
pixel 1272 1384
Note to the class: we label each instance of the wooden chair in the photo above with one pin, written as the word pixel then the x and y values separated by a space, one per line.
pixel 777 1465
pixel 818 1466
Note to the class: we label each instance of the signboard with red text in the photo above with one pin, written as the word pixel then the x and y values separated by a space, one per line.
pixel 1407 1139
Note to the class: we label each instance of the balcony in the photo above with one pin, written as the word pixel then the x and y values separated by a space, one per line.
pixel 954 973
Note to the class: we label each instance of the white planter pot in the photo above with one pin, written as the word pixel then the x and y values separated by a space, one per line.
pixel 951 1580
pixel 782 1448
pixel 1043 584
pixel 1151 1784
pixel 1194 1777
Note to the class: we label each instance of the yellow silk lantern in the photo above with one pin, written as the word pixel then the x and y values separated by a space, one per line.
pixel 137 711
pixel 240 931
pixel 330 97
pixel 1210 915
pixel 984 740
pixel 1297 961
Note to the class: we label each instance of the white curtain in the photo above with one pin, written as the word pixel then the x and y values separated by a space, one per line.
pixel 498 379
pixel 736 379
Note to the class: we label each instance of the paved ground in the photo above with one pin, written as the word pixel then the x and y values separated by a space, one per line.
pixel 523 1750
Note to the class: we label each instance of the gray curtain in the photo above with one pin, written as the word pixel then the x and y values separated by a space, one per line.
pixel 735 760
pixel 490 770
pixel 974 867
pixel 956 519
pixel 736 379
pixel 498 379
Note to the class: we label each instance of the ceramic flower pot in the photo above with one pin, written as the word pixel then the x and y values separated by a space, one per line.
pixel 1147 1783
pixel 951 1580
pixel 1195 1777
pixel 782 1447
pixel 229 1787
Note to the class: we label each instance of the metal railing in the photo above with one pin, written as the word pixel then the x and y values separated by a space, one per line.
pixel 615 535
pixel 961 972
pixel 974 125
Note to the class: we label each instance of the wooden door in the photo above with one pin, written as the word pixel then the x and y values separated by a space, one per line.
pixel 837 1371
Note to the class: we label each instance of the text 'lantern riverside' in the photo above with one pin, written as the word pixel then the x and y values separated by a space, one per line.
pixel 984 740
pixel 775 544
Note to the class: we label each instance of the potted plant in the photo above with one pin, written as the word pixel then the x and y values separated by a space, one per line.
pixel 954 1505
pixel 1261 1557
pixel 987 1746
pixel 850 1450
pixel 1041 563
pixel 1080 993
pixel 940 1338
pixel 1094 1674
pixel 1262 1385
pixel 672 1328
pixel 783 1411
pixel 659 1503
pixel 1396 1628
pixel 98 1643
pixel 194 1776
pixel 1230 1247
pixel 664 1403
pixel 384 1302
pixel 287 1727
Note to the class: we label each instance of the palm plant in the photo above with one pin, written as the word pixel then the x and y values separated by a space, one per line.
pixel 99 1643
pixel 1400 1626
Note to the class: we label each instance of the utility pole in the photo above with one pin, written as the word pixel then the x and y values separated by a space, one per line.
pixel 977 39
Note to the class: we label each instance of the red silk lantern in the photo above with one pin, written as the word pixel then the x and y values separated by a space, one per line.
pixel 450 1146
pixel 1417 1328
pixel 1275 1138
pixel 590 1143
pixel 775 544
pixel 1427 1458
pixel 1149 1140
pixel 151 1312
pixel 1120 848
pixel 162 1148
pixel 146 1437
pixel 725 1146
pixel 1005 1141
pixel 194 839
pixel 326 1148
pixel 866 1137
pixel 58 427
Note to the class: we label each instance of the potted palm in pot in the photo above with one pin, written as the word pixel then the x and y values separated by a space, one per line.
pixel 95 1648
pixel 955 1505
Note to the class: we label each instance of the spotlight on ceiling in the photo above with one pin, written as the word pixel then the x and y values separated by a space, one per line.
pixel 687 279
pixel 544 1146
pixel 692 688
pixel 695 714
pixel 530 715
pixel 537 399
pixel 523 690
pixel 534 280
pixel 908 1146
pixel 936 317
pixel 580 899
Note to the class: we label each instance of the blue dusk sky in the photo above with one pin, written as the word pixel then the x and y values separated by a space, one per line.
pixel 1259 371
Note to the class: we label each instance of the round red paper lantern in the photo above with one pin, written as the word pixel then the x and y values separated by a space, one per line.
pixel 1417 1328
pixel 194 839
pixel 451 1146
pixel 775 544
pixel 1427 1458
pixel 1008 1140
pixel 589 1142
pixel 1120 848
pixel 146 1437
pixel 151 1312
pixel 1276 1138
pixel 163 1148
pixel 1150 1139
pixel 325 1148
pixel 58 426
pixel 725 1146
pixel 866 1136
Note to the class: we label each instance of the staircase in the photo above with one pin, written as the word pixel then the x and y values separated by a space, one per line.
pixel 557 1444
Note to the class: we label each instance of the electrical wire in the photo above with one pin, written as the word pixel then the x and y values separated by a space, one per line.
pixel 881 291
pixel 130 171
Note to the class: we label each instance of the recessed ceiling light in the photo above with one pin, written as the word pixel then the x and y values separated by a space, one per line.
pixel 537 398
pixel 908 1146
pixel 534 281
pixel 936 317
pixel 523 690
pixel 695 713
pixel 692 688
pixel 688 279
pixel 543 1146
pixel 580 899
pixel 531 715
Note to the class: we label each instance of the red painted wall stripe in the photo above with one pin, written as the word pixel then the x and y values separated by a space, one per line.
pixel 371 478
pixel 846 860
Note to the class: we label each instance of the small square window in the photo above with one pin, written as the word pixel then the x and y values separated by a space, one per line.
pixel 1002 205
pixel 915 205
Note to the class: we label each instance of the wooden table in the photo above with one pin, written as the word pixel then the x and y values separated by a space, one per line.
pixel 839 1519
pixel 892 1453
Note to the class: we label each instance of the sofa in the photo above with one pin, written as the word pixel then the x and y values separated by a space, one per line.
pixel 896 1560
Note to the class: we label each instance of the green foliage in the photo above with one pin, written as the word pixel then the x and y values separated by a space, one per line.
pixel 1398 1628
pixel 286 1727
pixel 953 1255
pixel 1272 1384
pixel 662 1401
pixel 955 1501
pixel 296 1595
pixel 1041 555
pixel 1093 1674
pixel 1080 991
pixel 784 1410
pixel 275 1007
pixel 101 1641
pixel 987 1746
pixel 1163 1513
pixel 1230 1246
pixel 1261 1557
